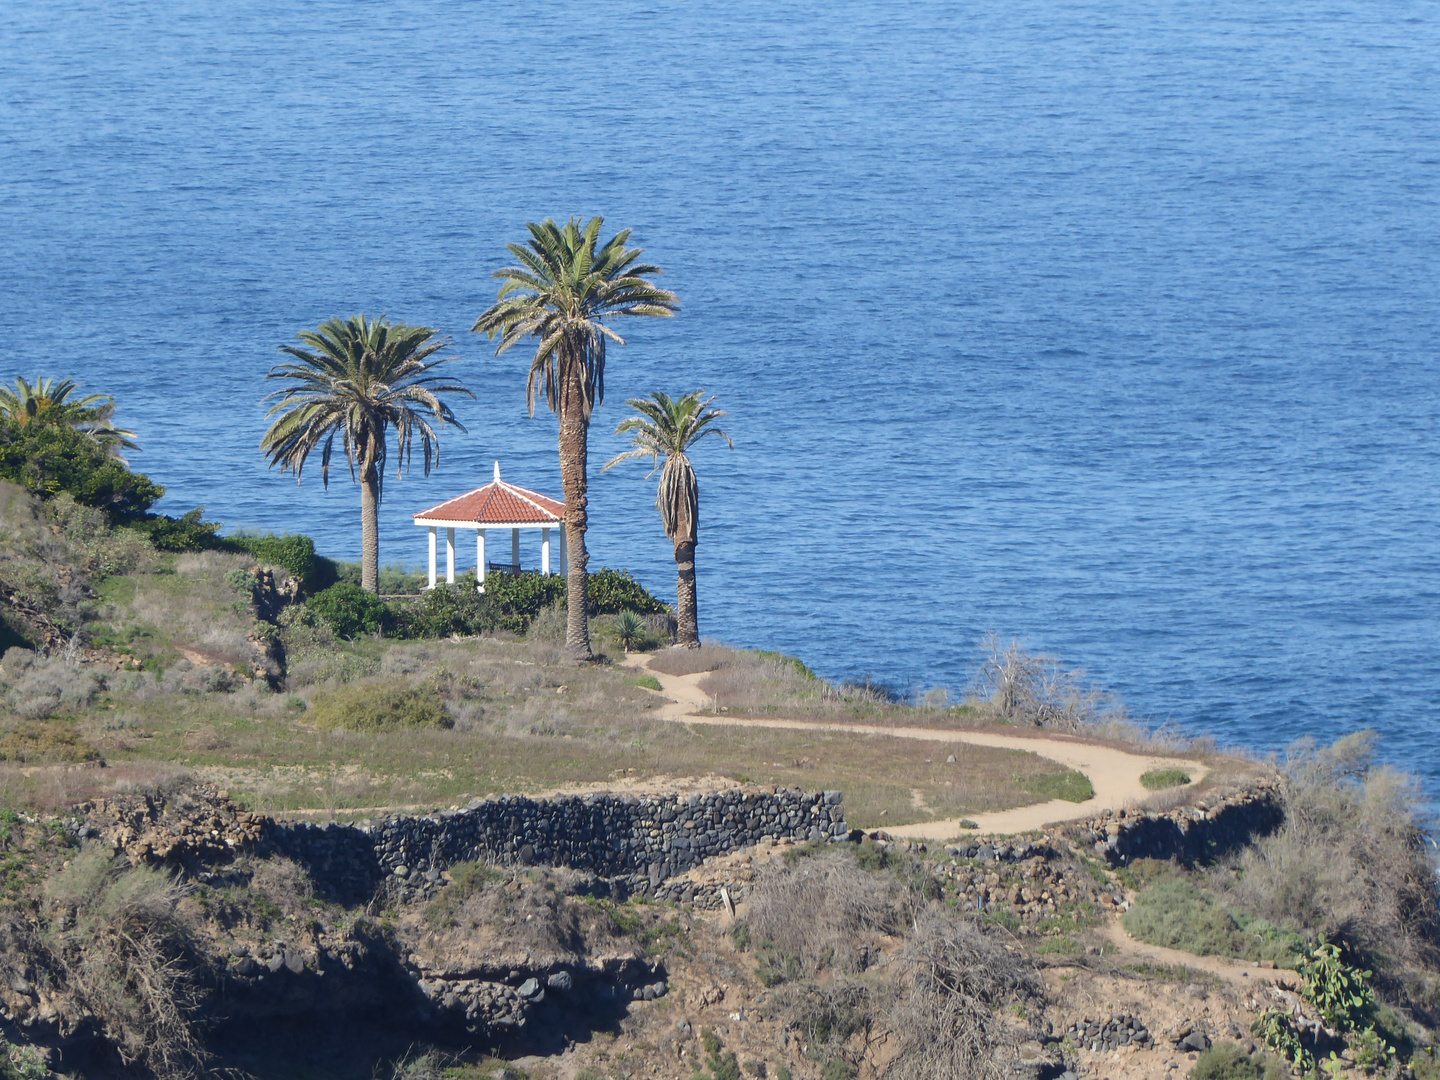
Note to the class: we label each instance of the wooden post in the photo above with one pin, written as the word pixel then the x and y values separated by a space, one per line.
pixel 432 556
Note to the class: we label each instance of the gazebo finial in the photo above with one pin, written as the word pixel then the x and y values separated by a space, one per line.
pixel 497 472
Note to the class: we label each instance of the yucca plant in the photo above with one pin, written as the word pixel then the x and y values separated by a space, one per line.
pixel 667 428
pixel 629 629
pixel 358 379
pixel 563 292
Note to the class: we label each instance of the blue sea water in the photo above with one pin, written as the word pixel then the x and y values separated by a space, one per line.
pixel 1109 326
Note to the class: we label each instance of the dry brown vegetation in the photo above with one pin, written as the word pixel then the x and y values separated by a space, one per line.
pixel 1350 864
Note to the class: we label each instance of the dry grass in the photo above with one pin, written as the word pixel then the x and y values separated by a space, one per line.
pixel 710 656
pixel 1350 863
pixel 824 911
pixel 955 979
pixel 523 721
pixel 125 954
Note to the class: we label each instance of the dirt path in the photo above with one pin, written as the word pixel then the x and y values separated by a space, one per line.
pixel 1114 774
pixel 1241 973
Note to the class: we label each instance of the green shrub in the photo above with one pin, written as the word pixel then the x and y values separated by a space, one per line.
pixel 613 591
pixel 1227 1061
pixel 188 532
pixel 349 611
pixel 20 1062
pixel 1069 785
pixel 1160 779
pixel 393 579
pixel 48 459
pixel 378 707
pixel 518 598
pixel 444 610
pixel 293 553
pixel 34 741
pixel 649 682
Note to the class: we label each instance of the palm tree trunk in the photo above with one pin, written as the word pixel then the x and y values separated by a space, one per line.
pixel 370 529
pixel 574 457
pixel 687 615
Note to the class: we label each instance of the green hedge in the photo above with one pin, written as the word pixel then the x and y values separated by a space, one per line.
pixel 350 611
pixel 47 459
pixel 188 532
pixel 443 611
pixel 519 598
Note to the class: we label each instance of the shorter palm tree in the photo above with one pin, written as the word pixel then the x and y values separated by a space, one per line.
pixel 358 379
pixel 667 428
pixel 46 401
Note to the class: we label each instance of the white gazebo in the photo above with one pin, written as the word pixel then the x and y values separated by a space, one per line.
pixel 497 505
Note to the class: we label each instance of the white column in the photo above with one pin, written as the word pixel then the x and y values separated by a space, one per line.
pixel 480 559
pixel 544 551
pixel 450 556
pixel 564 555
pixel 432 556
pixel 514 547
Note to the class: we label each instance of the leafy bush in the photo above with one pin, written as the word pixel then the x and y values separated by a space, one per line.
pixel 1160 779
pixel 349 611
pixel 610 592
pixel 443 611
pixel 378 707
pixel 292 552
pixel 518 598
pixel 48 459
pixel 393 578
pixel 1227 1061
pixel 22 1062
pixel 188 532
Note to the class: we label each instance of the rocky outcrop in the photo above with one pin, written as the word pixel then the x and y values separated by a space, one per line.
pixel 1195 833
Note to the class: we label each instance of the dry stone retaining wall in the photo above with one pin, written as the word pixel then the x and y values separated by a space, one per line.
pixel 638 842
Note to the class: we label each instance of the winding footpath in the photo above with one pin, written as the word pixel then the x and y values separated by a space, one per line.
pixel 1113 773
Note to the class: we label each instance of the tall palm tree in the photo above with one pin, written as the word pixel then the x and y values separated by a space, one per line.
pixel 667 428
pixel 561 294
pixel 358 379
pixel 46 401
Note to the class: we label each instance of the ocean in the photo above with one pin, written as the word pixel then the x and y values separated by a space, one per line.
pixel 1108 327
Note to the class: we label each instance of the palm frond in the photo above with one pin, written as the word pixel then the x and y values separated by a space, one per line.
pixel 561 293
pixel 359 379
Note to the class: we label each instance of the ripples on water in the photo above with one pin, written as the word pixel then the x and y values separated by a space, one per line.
pixel 1112 327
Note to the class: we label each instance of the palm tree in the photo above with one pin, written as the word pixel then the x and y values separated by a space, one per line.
pixel 668 428
pixel 359 378
pixel 46 401
pixel 561 294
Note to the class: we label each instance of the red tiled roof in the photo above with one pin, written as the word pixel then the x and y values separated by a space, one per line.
pixel 497 503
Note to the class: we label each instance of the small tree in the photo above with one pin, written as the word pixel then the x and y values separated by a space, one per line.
pixel 48 402
pixel 667 428
pixel 358 379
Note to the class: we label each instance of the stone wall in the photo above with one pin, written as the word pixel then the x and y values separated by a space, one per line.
pixel 1196 833
pixel 638 842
